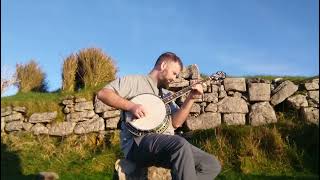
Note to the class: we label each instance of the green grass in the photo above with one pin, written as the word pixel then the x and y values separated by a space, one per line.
pixel 82 157
pixel 288 149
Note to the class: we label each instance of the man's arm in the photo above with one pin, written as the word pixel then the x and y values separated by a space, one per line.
pixel 111 98
pixel 181 115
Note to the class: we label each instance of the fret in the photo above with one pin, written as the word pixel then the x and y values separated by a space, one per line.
pixel 219 76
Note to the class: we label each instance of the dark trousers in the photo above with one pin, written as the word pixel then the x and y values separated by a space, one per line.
pixel 186 161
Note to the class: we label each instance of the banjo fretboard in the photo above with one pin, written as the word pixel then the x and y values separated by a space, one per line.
pixel 216 77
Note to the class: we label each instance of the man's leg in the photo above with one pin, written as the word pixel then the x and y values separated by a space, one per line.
pixel 168 151
pixel 207 166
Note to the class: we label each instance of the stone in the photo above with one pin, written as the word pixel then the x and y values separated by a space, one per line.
pixel 195 108
pixel 100 107
pixel 214 88
pixel 3 123
pixel 222 94
pixel 233 105
pixel 127 170
pixel 204 121
pixel 258 80
pixel 61 128
pixel 190 72
pixel 314 95
pixel 20 109
pixel 237 94
pixel 83 106
pixel 47 176
pixel 78 100
pixel 212 107
pixel 27 126
pixel 283 91
pixel 66 110
pixel 112 123
pixel 80 116
pixel 312 103
pixel 234 119
pixel 298 101
pixel 179 83
pixel 14 117
pixel 259 92
pixel 6 111
pixel 211 97
pixel 111 114
pixel 235 84
pixel 42 117
pixel 93 125
pixel 68 102
pixel 311 114
pixel 13 126
pixel 313 85
pixel 38 129
pixel 262 113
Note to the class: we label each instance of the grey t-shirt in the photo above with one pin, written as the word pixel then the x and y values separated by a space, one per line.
pixel 129 87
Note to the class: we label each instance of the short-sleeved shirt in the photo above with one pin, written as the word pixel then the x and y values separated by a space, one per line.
pixel 129 87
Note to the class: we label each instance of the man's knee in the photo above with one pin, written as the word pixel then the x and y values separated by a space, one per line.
pixel 180 141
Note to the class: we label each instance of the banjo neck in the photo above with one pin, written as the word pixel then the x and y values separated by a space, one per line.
pixel 180 93
pixel 218 76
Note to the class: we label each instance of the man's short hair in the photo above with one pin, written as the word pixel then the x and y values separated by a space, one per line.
pixel 169 56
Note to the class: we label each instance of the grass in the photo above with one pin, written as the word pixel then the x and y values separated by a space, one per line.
pixel 288 149
pixel 81 157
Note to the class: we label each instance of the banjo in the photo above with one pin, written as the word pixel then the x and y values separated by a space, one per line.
pixel 157 118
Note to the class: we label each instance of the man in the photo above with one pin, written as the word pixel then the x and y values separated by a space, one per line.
pixel 167 150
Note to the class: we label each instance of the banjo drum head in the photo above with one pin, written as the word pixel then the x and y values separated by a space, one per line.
pixel 155 112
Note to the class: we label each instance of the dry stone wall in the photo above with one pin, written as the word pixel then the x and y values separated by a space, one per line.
pixel 234 101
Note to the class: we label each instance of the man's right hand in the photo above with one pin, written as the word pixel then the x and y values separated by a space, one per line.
pixel 138 111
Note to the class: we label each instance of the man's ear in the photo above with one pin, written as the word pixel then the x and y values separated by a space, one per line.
pixel 163 65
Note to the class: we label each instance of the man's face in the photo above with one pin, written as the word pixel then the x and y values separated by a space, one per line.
pixel 170 71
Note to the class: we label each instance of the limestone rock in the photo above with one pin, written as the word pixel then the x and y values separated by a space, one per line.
pixel 233 105
pixel 83 106
pixel 311 114
pixel 42 117
pixel 6 111
pixel 234 119
pixel 314 95
pixel 62 128
pixel 212 107
pixel 39 129
pixel 93 125
pixel 14 117
pixel 262 113
pixel 283 91
pixel 204 121
pixel 259 92
pixel 100 107
pixel 298 101
pixel 13 126
pixel 235 84
pixel 111 123
pixel 313 85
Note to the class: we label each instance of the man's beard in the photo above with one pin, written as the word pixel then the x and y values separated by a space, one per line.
pixel 164 84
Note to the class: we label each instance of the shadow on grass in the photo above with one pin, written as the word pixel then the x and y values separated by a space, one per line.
pixel 11 166
pixel 239 176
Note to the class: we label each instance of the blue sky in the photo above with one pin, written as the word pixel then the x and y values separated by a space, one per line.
pixel 247 37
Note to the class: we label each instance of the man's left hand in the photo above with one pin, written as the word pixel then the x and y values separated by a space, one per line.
pixel 197 90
